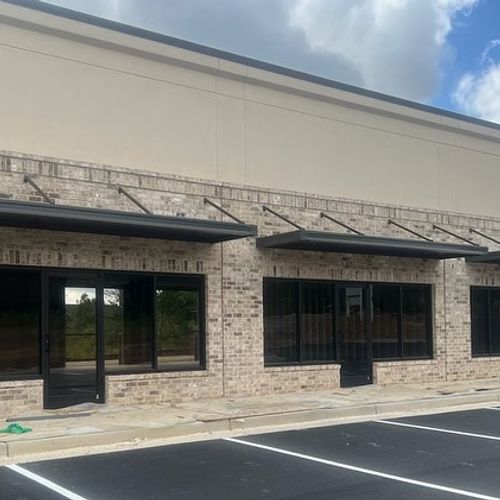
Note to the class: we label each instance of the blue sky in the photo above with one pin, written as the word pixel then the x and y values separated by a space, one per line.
pixel 470 36
pixel 430 51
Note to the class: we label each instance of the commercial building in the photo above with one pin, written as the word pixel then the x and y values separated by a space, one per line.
pixel 177 222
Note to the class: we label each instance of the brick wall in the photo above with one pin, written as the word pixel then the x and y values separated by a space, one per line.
pixel 18 397
pixel 234 273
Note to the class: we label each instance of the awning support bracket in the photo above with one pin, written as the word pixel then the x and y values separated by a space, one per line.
pixel 340 223
pixel 475 231
pixel 439 228
pixel 408 230
pixel 206 201
pixel 282 217
pixel 134 200
pixel 29 180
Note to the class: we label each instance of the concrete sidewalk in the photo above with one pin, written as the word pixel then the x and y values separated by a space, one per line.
pixel 88 427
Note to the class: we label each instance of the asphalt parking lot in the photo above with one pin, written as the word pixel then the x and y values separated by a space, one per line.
pixel 452 455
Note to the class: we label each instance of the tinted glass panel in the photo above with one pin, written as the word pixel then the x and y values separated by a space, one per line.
pixel 480 321
pixel 495 321
pixel 385 303
pixel 177 328
pixel 19 322
pixel 415 320
pixel 128 322
pixel 352 331
pixel 280 321
pixel 317 322
pixel 72 329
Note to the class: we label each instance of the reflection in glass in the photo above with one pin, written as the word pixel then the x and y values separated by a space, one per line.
pixel 415 310
pixel 128 322
pixel 19 322
pixel 385 302
pixel 280 321
pixel 480 321
pixel 177 328
pixel 352 325
pixel 317 322
pixel 495 321
pixel 73 340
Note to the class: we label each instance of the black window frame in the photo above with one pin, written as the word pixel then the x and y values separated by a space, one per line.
pixel 429 323
pixel 179 279
pixel 488 353
pixel 182 282
pixel 300 322
pixel 13 376
pixel 428 326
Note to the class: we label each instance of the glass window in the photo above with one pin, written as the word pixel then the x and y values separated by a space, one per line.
pixel 495 321
pixel 72 330
pixel 280 321
pixel 317 322
pixel 385 337
pixel 480 321
pixel 128 322
pixel 415 320
pixel 299 321
pixel 178 327
pixel 485 321
pixel 19 322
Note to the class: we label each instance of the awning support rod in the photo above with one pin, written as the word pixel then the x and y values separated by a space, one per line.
pixel 484 235
pixel 408 230
pixel 282 217
pixel 439 228
pixel 340 223
pixel 134 200
pixel 29 180
pixel 220 209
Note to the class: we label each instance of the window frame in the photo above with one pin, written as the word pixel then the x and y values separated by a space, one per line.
pixel 429 330
pixel 13 376
pixel 429 323
pixel 488 354
pixel 300 322
pixel 182 282
pixel 179 279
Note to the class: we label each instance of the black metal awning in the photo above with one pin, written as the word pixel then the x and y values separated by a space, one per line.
pixel 488 258
pixel 112 222
pixel 368 245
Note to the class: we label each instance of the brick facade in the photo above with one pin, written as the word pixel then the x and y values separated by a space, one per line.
pixel 234 272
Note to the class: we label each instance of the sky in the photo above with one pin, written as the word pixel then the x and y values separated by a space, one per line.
pixel 445 53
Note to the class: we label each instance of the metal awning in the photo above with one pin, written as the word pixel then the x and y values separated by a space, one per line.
pixel 489 258
pixel 322 241
pixel 112 222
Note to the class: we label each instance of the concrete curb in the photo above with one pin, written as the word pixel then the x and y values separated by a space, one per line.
pixel 28 445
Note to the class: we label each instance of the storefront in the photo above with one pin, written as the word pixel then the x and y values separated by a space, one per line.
pixel 179 223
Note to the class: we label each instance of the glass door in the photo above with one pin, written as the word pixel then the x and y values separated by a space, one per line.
pixel 353 337
pixel 71 326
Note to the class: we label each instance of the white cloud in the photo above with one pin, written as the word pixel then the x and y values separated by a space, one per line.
pixel 397 45
pixel 478 94
pixel 393 46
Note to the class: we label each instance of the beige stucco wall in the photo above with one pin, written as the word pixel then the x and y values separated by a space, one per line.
pixel 77 91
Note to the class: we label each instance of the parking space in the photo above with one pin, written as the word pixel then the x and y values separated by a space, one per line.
pixel 454 455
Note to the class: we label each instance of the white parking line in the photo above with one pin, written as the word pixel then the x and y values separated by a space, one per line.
pixel 362 470
pixel 45 482
pixel 497 409
pixel 438 429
